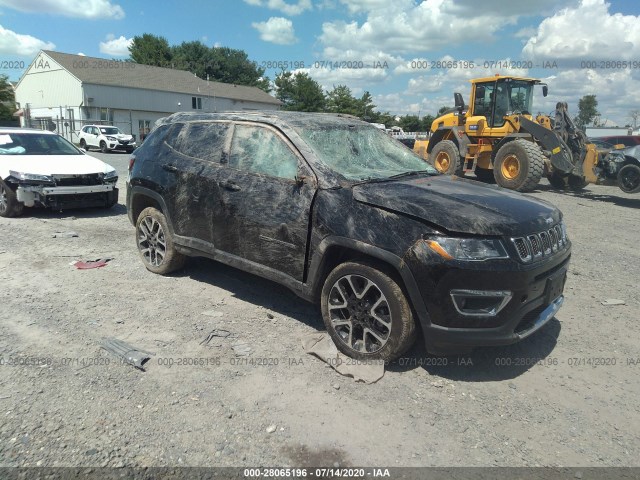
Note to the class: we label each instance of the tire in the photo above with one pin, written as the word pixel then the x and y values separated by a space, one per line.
pixel 518 165
pixel 576 183
pixel 84 145
pixel 155 245
pixel 9 204
pixel 556 181
pixel 103 147
pixel 373 302
pixel 484 175
pixel 629 178
pixel 445 157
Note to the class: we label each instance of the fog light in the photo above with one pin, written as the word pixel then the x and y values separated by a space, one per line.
pixel 480 303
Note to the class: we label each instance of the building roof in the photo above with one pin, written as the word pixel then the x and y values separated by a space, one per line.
pixel 101 71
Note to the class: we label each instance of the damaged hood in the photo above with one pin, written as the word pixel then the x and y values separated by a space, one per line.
pixel 461 206
pixel 52 165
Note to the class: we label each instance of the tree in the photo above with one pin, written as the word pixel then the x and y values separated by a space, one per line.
pixel 410 123
pixel 587 111
pixel 365 107
pixel 7 99
pixel 299 92
pixel 340 100
pixel 221 64
pixel 150 49
pixel 443 109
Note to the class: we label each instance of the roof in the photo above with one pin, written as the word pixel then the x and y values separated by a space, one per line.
pixel 92 70
pixel 274 117
pixel 502 77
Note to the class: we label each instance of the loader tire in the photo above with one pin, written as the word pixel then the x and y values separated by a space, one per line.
pixel 518 165
pixel 445 157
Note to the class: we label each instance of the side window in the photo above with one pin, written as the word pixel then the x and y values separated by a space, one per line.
pixel 156 136
pixel 205 141
pixel 259 150
pixel 482 102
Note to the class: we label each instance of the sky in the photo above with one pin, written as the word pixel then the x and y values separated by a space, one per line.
pixel 410 55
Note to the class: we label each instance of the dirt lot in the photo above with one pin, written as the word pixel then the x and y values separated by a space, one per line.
pixel 568 396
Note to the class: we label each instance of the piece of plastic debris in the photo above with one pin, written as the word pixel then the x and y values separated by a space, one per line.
pixel 241 349
pixel 89 264
pixel 321 346
pixel 612 301
pixel 64 235
pixel 213 334
pixel 129 354
pixel 271 428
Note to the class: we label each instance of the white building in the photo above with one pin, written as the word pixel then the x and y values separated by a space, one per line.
pixel 64 92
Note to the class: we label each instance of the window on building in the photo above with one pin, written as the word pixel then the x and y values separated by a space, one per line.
pixel 106 115
pixel 144 126
pixel 196 103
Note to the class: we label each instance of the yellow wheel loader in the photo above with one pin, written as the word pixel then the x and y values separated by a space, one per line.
pixel 497 138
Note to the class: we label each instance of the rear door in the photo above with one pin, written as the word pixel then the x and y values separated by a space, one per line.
pixel 265 210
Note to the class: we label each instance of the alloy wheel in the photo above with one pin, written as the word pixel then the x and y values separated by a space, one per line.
pixel 151 241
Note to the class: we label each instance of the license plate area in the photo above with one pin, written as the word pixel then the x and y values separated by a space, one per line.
pixel 555 286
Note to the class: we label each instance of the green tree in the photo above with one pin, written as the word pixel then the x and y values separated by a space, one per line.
pixel 221 64
pixel 299 92
pixel 7 99
pixel 587 111
pixel 426 122
pixel 443 109
pixel 149 49
pixel 366 108
pixel 340 100
pixel 410 123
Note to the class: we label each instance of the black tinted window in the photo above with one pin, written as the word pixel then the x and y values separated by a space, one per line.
pixel 205 141
pixel 260 150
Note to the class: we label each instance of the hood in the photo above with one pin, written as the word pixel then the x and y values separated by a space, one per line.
pixel 52 164
pixel 460 205
pixel 121 136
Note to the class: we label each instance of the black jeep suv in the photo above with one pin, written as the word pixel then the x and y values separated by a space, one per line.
pixel 344 215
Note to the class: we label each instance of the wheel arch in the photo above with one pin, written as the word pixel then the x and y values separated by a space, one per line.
pixel 141 198
pixel 332 251
pixel 455 134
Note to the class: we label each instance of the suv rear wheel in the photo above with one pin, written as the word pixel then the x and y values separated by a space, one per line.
pixel 83 144
pixel 366 313
pixel 155 244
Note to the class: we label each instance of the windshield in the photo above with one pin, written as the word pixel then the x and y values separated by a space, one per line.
pixel 109 130
pixel 35 144
pixel 362 152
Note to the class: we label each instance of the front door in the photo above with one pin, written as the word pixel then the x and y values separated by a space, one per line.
pixel 265 209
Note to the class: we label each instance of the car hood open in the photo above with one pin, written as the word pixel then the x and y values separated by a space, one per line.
pixel 460 205
pixel 52 164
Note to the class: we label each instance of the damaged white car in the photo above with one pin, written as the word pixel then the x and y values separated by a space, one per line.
pixel 42 169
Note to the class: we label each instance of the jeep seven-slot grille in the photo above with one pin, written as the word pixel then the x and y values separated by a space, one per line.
pixel 538 245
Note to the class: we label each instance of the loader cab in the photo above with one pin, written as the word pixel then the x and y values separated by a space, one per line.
pixel 494 99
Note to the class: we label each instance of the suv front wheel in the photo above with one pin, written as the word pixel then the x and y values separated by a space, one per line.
pixel 366 313
pixel 155 244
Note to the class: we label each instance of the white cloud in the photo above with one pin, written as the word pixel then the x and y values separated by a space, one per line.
pixel 118 47
pixel 586 32
pixel 276 30
pixel 12 43
pixel 290 9
pixel 357 79
pixel 92 9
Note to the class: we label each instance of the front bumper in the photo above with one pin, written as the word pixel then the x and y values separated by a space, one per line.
pixel 67 196
pixel 121 146
pixel 536 294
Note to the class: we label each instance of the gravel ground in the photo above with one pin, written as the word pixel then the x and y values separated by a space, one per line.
pixel 566 396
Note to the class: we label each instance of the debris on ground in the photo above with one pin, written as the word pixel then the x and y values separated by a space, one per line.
pixel 215 333
pixel 241 349
pixel 271 428
pixel 612 301
pixel 64 235
pixel 89 264
pixel 321 346
pixel 213 313
pixel 129 354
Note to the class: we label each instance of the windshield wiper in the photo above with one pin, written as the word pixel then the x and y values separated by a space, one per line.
pixel 410 173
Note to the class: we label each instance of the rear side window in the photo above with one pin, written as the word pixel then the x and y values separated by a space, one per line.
pixel 259 150
pixel 205 141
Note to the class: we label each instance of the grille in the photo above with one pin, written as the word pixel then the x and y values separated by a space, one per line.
pixel 540 244
pixel 78 180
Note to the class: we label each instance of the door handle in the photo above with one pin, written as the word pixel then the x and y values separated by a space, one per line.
pixel 170 168
pixel 228 185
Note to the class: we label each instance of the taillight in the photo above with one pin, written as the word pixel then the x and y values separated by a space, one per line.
pixel 132 160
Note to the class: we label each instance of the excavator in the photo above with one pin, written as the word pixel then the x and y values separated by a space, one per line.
pixel 497 138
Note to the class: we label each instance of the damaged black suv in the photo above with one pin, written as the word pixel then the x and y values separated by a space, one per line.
pixel 345 216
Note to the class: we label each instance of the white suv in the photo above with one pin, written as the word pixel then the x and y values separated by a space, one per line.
pixel 106 138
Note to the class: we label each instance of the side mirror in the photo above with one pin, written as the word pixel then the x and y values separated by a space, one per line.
pixel 545 90
pixel 459 101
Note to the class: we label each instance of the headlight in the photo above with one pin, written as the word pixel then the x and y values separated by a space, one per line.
pixel 111 175
pixel 30 177
pixel 469 249
pixel 112 139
